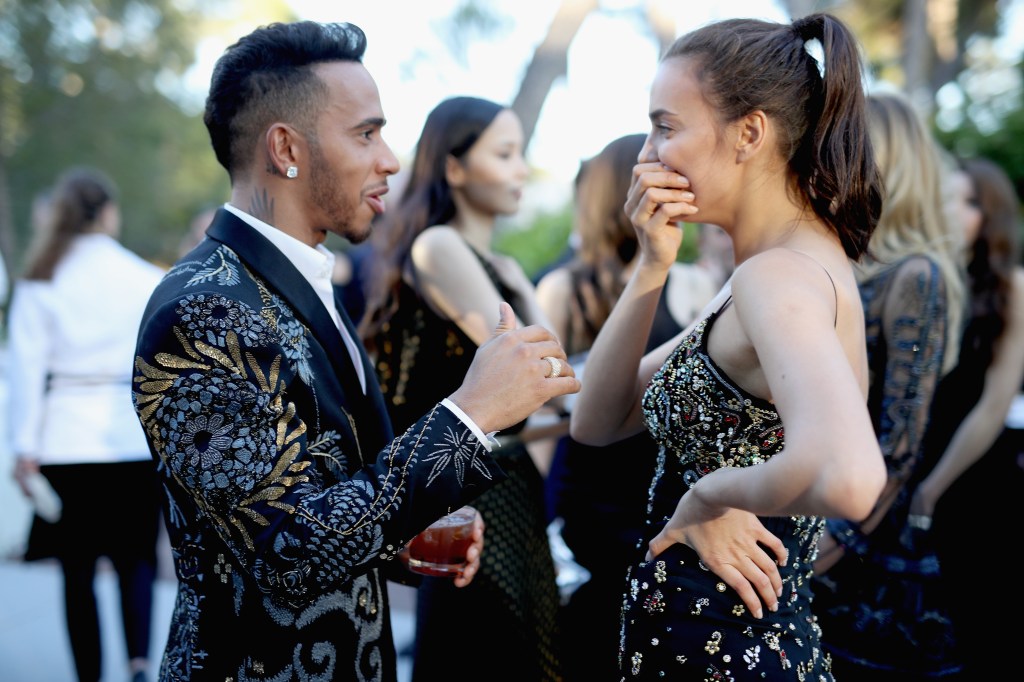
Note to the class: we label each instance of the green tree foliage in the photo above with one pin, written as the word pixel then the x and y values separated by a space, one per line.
pixel 539 243
pixel 98 82
pixel 1001 144
pixel 917 44
pixel 544 239
pixel 80 86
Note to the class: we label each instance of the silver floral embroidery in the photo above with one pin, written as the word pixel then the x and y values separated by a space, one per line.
pixel 460 451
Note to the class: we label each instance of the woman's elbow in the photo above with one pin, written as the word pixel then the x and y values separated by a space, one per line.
pixel 856 490
pixel 596 428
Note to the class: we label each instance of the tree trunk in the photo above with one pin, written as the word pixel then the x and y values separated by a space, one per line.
pixel 916 53
pixel 801 8
pixel 549 63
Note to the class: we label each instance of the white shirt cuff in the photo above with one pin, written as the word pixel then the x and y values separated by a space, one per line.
pixel 487 440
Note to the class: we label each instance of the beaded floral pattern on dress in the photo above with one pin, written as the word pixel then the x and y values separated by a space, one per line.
pixel 680 620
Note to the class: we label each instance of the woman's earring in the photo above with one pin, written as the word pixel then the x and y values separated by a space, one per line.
pixel 292 172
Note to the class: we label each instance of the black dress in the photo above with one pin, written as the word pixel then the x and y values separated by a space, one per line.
pixel 679 620
pixel 881 606
pixel 962 528
pixel 505 618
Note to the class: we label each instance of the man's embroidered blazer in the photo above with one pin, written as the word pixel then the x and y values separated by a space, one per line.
pixel 285 494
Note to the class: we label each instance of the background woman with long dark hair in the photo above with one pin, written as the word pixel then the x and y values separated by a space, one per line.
pixel 976 480
pixel 434 299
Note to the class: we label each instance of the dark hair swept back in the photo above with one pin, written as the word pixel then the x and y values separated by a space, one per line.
pixel 451 129
pixel 267 76
pixel 746 65
pixel 75 203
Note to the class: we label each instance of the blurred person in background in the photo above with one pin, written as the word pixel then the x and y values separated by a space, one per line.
pixel 759 406
pixel 433 300
pixel 877 594
pixel 196 229
pixel 73 319
pixel 976 480
pixel 351 267
pixel 599 493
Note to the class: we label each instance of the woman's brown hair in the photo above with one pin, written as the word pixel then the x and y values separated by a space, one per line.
pixel 75 204
pixel 746 65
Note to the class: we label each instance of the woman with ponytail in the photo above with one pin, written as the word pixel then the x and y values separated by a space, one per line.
pixel 759 406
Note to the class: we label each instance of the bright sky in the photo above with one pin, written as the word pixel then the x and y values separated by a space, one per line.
pixel 605 94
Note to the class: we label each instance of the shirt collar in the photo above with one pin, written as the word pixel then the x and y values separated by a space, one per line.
pixel 315 263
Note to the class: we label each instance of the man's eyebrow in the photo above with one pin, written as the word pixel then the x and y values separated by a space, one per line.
pixel 376 122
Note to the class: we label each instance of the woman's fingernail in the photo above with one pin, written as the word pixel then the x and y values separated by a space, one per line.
pixel 758 614
pixel 774 607
pixel 778 593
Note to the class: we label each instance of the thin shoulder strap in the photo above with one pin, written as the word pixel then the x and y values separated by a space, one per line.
pixel 835 297
pixel 835 292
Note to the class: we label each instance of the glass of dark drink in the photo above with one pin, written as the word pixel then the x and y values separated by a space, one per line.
pixel 440 550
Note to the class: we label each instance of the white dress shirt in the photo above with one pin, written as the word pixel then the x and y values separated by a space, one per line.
pixel 70 354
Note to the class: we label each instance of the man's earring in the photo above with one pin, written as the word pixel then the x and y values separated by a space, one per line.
pixel 292 172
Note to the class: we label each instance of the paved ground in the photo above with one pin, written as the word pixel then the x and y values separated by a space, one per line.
pixel 33 641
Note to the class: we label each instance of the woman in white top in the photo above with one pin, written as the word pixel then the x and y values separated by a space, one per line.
pixel 74 318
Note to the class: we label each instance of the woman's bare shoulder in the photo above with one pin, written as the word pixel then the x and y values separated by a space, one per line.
pixel 557 282
pixel 440 245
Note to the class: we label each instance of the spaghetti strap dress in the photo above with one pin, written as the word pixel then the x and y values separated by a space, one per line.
pixel 680 620
pixel 506 619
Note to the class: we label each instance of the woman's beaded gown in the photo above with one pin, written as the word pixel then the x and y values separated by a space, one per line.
pixel 680 620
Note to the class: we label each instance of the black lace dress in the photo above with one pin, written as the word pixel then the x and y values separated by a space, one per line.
pixel 505 619
pixel 882 607
pixel 679 620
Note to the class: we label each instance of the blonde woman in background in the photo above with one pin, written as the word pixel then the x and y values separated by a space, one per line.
pixel 877 592
pixel 74 317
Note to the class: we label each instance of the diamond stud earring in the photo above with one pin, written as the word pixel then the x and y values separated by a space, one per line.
pixel 292 172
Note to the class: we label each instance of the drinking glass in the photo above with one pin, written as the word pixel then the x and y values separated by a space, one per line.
pixel 440 550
